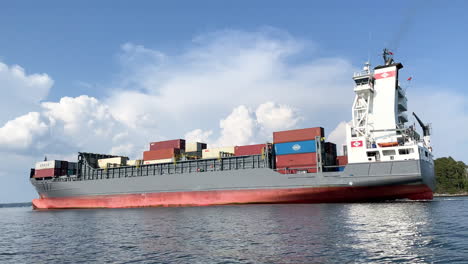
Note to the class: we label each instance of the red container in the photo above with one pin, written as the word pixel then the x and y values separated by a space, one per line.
pixel 249 150
pixel 168 144
pixel 160 154
pixel 342 160
pixel 296 160
pixel 47 173
pixel 298 135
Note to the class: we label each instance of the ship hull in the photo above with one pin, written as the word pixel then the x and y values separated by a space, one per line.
pixel 226 197
pixel 358 182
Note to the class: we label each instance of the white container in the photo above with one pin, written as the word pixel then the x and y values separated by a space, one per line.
pixel 50 164
pixel 119 161
pixel 215 152
pixel 193 146
pixel 146 162
pixel 134 162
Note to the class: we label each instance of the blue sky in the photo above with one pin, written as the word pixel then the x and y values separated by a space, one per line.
pixel 123 55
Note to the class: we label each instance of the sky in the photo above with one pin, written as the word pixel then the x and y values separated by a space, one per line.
pixel 111 76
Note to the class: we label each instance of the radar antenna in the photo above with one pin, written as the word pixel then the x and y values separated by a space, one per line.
pixel 388 57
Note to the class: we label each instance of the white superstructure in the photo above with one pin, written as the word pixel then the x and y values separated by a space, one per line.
pixel 378 131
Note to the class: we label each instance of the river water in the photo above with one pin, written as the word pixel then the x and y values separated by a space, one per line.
pixel 406 232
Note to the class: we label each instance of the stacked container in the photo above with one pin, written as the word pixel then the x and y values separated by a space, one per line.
pixel 330 155
pixel 296 150
pixel 72 166
pixel 112 162
pixel 249 150
pixel 164 151
pixel 169 153
pixel 193 150
pixel 51 168
pixel 168 144
pixel 218 152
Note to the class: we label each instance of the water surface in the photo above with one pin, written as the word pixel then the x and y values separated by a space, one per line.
pixel 407 232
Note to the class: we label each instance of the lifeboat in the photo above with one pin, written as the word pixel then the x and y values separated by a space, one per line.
pixel 388 144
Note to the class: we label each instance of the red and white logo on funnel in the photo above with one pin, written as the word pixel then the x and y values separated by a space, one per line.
pixel 356 144
pixel 385 75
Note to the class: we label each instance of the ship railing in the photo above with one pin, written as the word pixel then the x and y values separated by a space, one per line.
pixel 87 172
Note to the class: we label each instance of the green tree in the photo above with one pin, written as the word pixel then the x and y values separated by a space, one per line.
pixel 451 176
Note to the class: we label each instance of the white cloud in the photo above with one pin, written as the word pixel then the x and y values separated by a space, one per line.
pixel 237 128
pixel 198 135
pixel 20 132
pixel 21 93
pixel 273 117
pixel 226 69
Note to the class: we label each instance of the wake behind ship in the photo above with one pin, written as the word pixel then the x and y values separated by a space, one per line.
pixel 383 159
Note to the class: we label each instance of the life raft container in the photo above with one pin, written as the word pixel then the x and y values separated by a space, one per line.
pixel 388 144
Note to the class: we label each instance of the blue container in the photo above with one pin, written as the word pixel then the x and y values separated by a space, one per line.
pixel 297 147
pixel 341 168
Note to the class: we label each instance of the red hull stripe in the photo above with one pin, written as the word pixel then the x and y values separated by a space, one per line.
pixel 221 197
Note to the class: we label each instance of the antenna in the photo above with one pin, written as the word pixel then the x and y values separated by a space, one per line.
pixel 369 48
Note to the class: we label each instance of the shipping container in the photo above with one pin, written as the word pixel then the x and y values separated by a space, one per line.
pixel 249 150
pixel 330 148
pixel 72 165
pixel 50 164
pixel 113 162
pixel 342 160
pixel 134 162
pixel 296 160
pixel 217 152
pixel 43 173
pixel 295 147
pixel 168 144
pixel 161 154
pixel 194 146
pixel 146 162
pixel 298 135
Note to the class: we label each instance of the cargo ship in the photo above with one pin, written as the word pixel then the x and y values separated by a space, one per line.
pixel 383 159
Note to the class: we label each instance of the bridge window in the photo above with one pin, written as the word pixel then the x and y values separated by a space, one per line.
pixel 405 151
pixel 389 152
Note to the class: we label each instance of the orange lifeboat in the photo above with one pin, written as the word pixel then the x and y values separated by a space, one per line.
pixel 388 144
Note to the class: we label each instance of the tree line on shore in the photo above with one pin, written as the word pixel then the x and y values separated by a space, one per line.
pixel 451 176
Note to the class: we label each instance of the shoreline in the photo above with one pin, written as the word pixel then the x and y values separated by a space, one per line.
pixel 450 195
